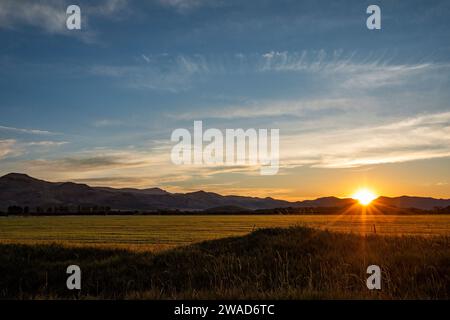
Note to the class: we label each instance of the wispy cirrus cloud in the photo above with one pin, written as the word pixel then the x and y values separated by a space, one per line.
pixel 351 70
pixel 252 109
pixel 107 123
pixel 19 142
pixel 187 5
pixel 50 16
pixel 27 131
pixel 160 72
pixel 421 137
pixel 7 148
pixel 10 148
pixel 101 159
pixel 336 70
pixel 109 8
pixel 46 143
pixel 102 166
pixel 125 167
pixel 425 136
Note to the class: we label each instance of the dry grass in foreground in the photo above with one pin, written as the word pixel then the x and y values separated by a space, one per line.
pixel 293 263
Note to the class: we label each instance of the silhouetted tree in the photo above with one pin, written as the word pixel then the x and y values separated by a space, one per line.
pixel 15 210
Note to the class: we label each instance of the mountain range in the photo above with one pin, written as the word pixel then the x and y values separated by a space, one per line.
pixel 22 190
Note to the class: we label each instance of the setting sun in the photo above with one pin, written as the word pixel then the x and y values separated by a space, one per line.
pixel 364 196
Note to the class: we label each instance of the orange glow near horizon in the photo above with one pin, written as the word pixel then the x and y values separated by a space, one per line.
pixel 364 196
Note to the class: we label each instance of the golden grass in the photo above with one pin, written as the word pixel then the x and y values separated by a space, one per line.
pixel 293 263
pixel 163 232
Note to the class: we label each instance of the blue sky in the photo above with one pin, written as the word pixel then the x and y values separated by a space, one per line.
pixel 354 105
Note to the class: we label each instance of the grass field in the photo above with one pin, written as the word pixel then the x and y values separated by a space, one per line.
pixel 161 232
pixel 289 263
pixel 238 257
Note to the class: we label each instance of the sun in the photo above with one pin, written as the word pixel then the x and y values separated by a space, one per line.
pixel 364 196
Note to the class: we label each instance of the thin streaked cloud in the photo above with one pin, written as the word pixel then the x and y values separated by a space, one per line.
pixel 341 70
pixel 7 148
pixel 27 131
pixel 164 73
pixel 12 148
pixel 50 16
pixel 417 138
pixel 46 143
pixel 188 5
pixel 295 108
pixel 107 123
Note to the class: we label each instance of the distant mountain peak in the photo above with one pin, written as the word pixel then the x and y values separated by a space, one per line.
pixel 18 177
pixel 23 190
pixel 73 185
pixel 200 192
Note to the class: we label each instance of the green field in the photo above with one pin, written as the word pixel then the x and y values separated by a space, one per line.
pixel 160 232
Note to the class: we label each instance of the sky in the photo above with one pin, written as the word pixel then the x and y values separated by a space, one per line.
pixel 355 107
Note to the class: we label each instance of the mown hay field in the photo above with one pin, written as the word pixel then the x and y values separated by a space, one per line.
pixel 162 232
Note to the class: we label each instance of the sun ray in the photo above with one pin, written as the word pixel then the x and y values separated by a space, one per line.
pixel 364 196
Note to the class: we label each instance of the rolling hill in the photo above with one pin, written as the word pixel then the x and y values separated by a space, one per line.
pixel 22 190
